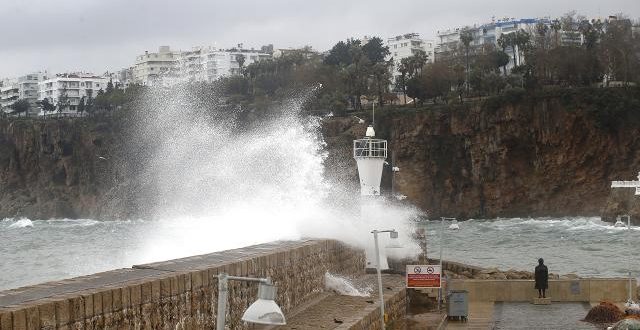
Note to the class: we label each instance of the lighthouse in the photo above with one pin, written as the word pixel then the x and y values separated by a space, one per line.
pixel 370 154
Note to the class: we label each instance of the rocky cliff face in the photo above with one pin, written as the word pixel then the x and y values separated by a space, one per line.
pixel 60 168
pixel 541 158
pixel 524 158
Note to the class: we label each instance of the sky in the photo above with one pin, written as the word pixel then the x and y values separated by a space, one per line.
pixel 106 35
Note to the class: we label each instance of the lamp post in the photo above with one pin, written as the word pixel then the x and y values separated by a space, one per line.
pixel 393 234
pixel 262 311
pixel 630 300
pixel 442 219
pixel 636 186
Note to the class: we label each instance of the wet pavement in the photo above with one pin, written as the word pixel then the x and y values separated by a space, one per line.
pixel 523 316
pixel 530 316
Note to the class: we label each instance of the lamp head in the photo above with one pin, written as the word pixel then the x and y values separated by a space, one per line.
pixel 265 310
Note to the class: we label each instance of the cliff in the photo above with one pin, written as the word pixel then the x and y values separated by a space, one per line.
pixel 520 155
pixel 63 168
pixel 551 154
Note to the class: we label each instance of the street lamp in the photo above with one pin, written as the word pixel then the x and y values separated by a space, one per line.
pixel 262 311
pixel 441 248
pixel 628 239
pixel 393 234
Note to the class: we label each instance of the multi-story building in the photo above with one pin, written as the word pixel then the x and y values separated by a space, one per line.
pixel 24 87
pixel 306 52
pixel 210 64
pixel 486 34
pixel 197 64
pixel 407 45
pixel 70 88
pixel 150 68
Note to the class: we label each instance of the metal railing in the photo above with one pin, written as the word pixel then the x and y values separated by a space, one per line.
pixel 370 148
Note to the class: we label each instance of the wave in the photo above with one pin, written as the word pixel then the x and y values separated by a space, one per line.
pixel 21 223
pixel 344 287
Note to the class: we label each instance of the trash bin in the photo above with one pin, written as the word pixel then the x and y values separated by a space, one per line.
pixel 458 304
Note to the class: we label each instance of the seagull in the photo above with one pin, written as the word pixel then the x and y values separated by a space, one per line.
pixel 360 120
pixel 100 157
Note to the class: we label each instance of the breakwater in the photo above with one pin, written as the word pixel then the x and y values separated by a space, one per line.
pixel 181 293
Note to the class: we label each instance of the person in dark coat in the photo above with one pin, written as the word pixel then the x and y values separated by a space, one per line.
pixel 542 278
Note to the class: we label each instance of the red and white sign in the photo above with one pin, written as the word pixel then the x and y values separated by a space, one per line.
pixel 423 276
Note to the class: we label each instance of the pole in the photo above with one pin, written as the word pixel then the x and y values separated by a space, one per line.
pixel 440 262
pixel 223 288
pixel 393 173
pixel 375 238
pixel 630 253
pixel 373 114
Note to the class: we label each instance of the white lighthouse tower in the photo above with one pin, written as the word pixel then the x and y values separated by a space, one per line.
pixel 370 154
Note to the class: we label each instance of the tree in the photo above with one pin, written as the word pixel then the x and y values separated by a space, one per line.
pixel 46 106
pixel 20 106
pixel 81 105
pixel 522 41
pixel 109 89
pixel 240 58
pixel 63 100
pixel 556 26
pixel 375 50
pixel 505 41
pixel 466 38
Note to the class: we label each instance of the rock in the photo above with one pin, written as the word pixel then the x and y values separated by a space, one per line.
pixel 483 276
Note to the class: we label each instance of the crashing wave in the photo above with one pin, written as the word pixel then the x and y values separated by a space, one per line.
pixel 343 286
pixel 22 223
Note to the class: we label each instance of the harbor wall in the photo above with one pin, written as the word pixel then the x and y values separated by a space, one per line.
pixel 181 293
pixel 574 290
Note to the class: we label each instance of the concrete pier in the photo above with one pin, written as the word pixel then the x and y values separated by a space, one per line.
pixel 179 294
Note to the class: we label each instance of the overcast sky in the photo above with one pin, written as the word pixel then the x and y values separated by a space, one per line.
pixel 100 35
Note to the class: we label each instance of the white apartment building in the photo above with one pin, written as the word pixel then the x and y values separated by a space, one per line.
pixel 223 63
pixel 23 87
pixel 486 34
pixel 73 87
pixel 150 68
pixel 407 45
pixel 209 64
pixel 9 94
pixel 197 64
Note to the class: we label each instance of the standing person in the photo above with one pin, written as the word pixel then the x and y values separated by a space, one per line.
pixel 542 278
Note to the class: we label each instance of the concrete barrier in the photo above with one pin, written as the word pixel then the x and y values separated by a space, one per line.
pixel 181 293
pixel 577 290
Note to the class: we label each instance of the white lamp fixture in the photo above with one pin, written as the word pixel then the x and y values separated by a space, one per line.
pixel 265 310
pixel 262 311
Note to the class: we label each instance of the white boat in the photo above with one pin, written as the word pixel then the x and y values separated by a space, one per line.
pixel 454 225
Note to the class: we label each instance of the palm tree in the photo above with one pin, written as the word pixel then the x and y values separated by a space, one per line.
pixel 466 38
pixel 522 42
pixel 556 26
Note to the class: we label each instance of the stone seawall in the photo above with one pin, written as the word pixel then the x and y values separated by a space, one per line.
pixel 181 293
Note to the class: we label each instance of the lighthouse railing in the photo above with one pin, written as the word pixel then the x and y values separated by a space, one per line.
pixel 370 148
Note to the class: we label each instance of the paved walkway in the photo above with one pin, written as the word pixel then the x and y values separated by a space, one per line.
pixel 480 317
pixel 330 310
pixel 523 316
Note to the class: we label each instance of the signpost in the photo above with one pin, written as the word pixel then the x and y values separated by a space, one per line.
pixel 424 276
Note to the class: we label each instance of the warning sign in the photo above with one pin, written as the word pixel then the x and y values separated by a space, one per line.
pixel 423 276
